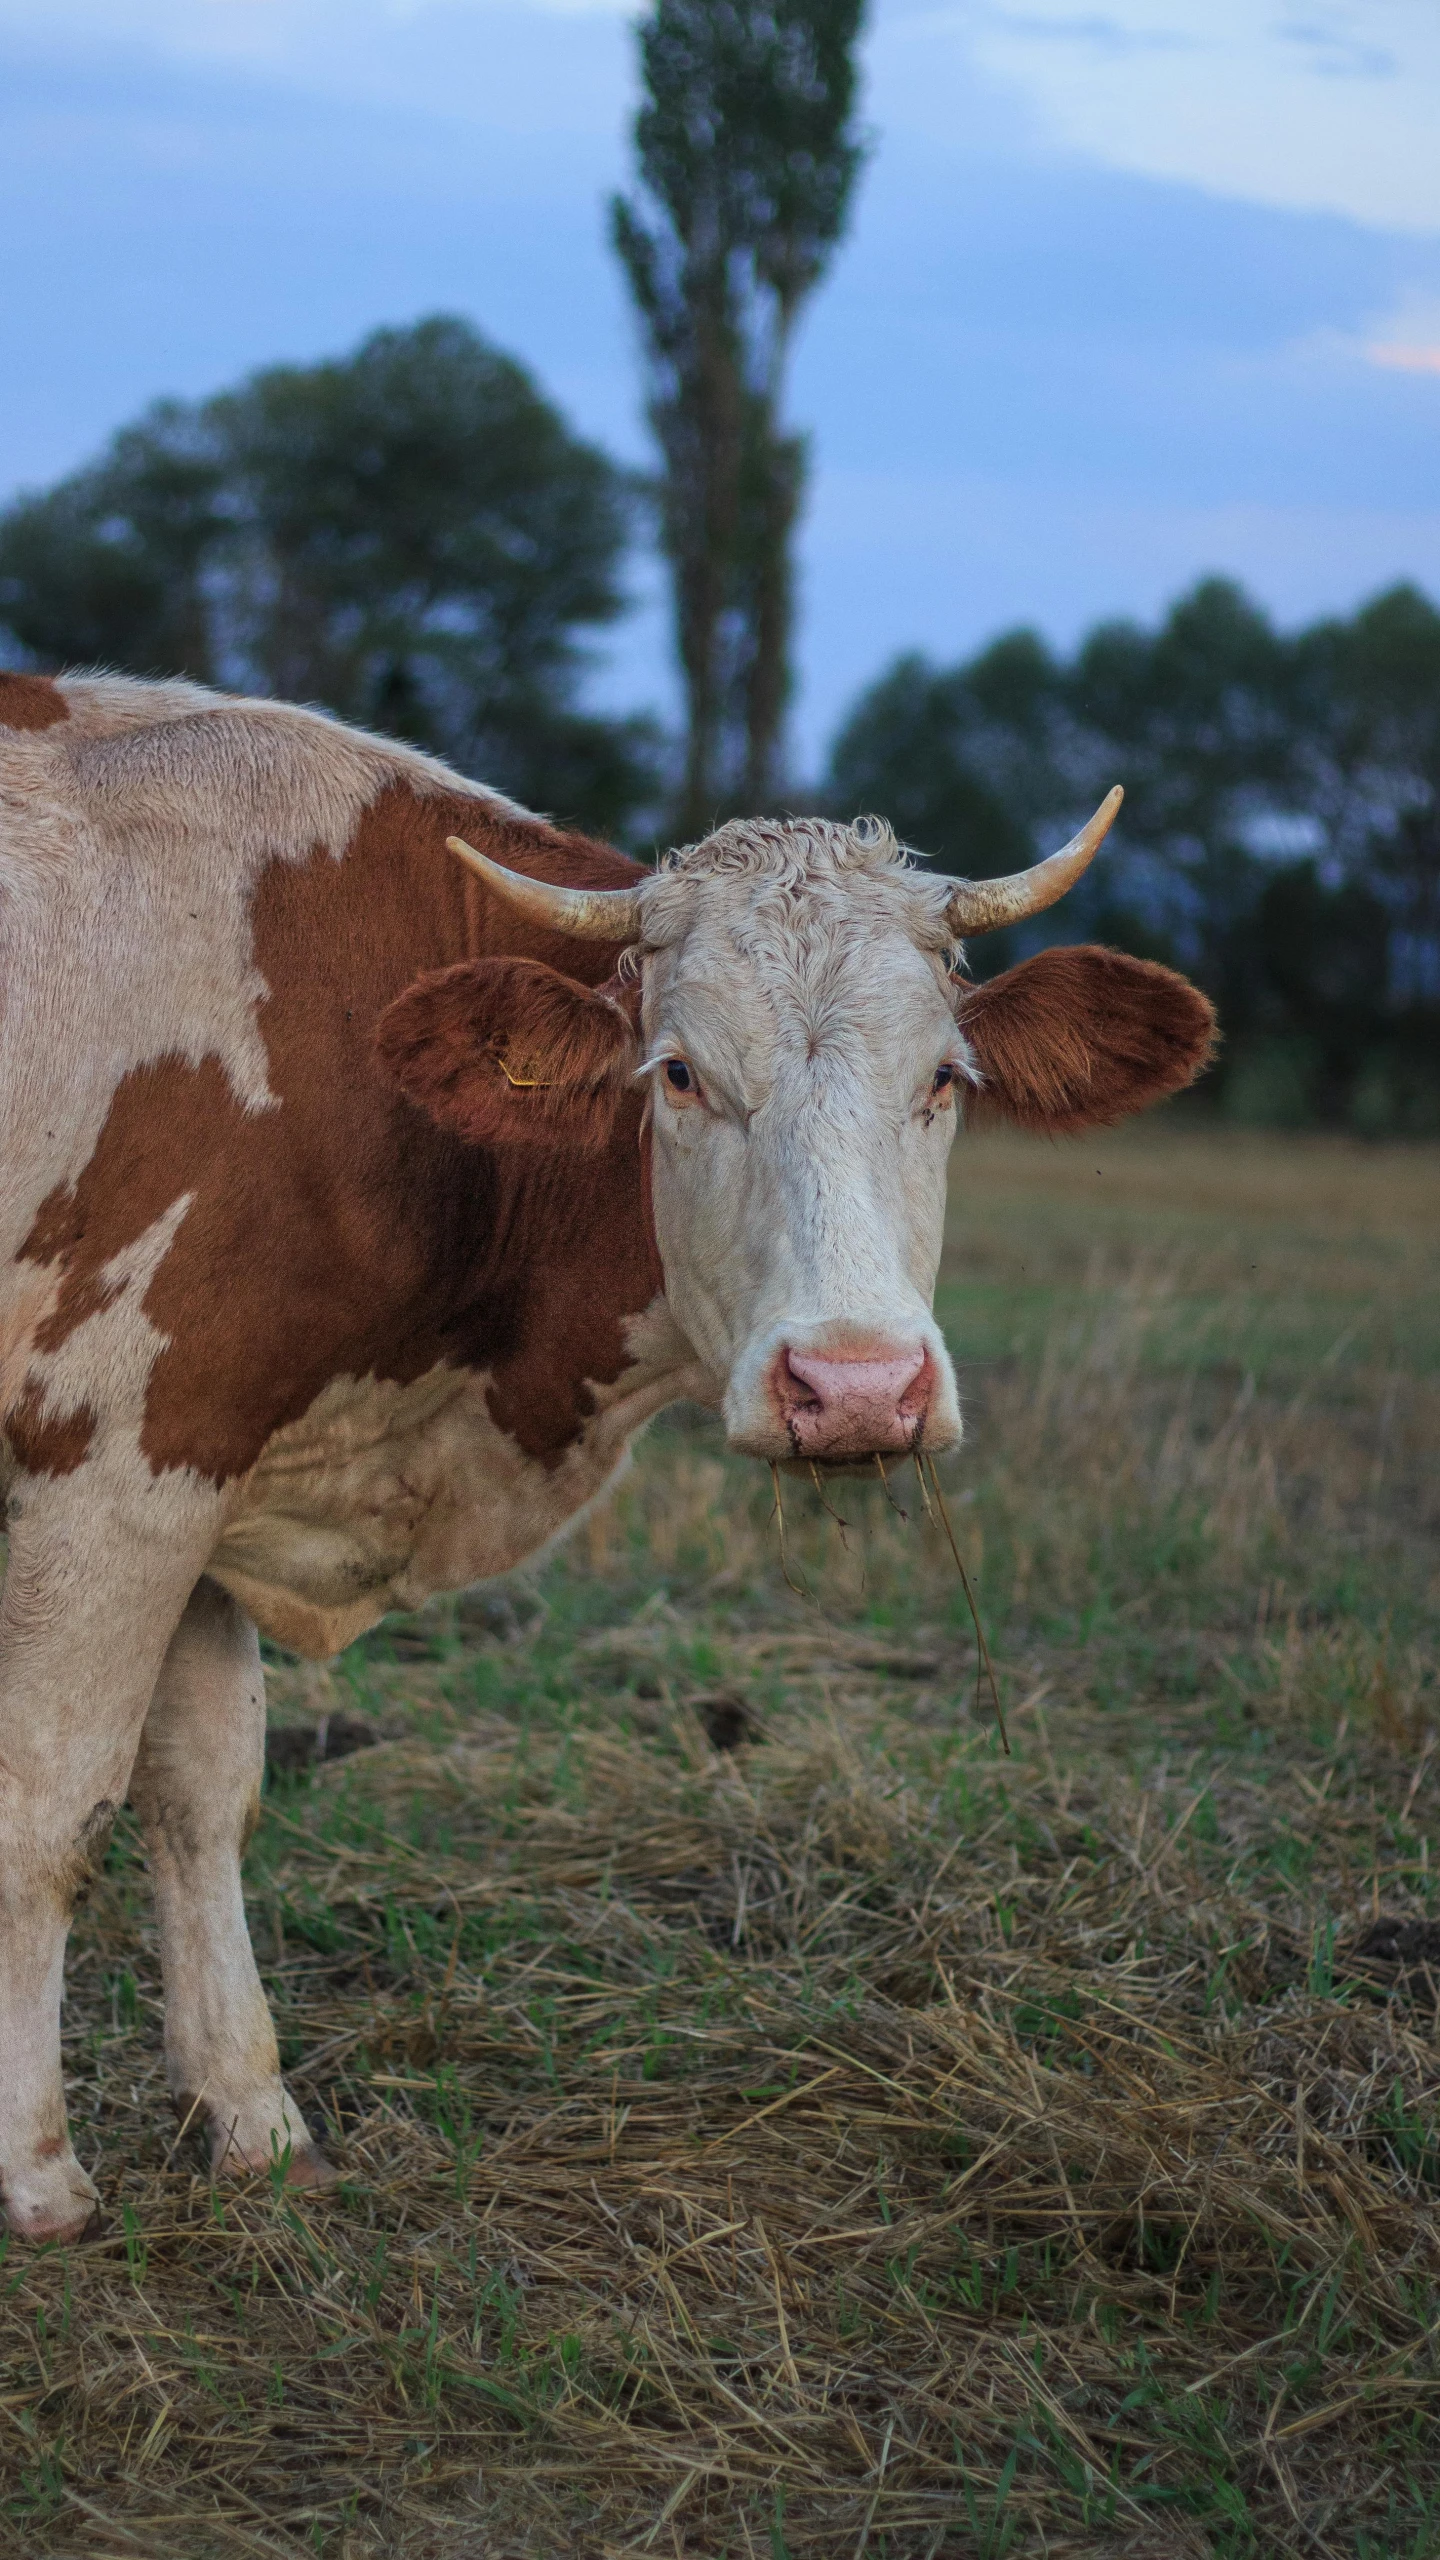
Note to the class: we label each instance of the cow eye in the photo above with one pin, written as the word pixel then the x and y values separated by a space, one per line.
pixel 943 1079
pixel 678 1076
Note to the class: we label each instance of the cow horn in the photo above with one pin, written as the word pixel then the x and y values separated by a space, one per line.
pixel 978 906
pixel 593 915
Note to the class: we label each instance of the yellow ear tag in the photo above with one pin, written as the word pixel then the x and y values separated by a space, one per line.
pixel 523 1084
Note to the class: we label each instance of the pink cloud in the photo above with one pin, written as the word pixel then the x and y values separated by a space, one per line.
pixel 1405 359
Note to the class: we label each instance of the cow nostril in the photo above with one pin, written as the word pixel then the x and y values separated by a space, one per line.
pixel 798 1389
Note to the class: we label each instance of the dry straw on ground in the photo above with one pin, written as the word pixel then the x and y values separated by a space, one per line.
pixel 774 2123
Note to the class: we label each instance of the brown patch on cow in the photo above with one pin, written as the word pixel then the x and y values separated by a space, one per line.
pixel 1080 1037
pixel 344 1234
pixel 48 1444
pixel 507 1051
pixel 31 702
pixel 89 1297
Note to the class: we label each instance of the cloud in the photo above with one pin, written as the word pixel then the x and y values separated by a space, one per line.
pixel 1336 52
pixel 1096 35
pixel 1405 359
pixel 1327 108
pixel 1401 335
pixel 1407 338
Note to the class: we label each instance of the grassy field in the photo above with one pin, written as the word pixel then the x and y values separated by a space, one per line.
pixel 773 2120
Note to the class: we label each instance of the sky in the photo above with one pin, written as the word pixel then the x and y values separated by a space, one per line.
pixel 1135 290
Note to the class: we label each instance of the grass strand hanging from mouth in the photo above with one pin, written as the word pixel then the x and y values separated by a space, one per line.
pixel 896 1507
pixel 827 1506
pixel 983 1664
pixel 935 1510
pixel 799 1589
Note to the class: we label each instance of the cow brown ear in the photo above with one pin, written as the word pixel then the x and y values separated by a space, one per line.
pixel 498 1050
pixel 1079 1037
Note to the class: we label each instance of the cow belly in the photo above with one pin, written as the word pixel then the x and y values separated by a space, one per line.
pixel 382 1494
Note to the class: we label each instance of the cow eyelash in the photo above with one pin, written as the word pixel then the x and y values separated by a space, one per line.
pixel 679 1075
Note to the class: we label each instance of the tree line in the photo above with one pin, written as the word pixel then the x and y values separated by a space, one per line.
pixel 1280 839
pixel 416 538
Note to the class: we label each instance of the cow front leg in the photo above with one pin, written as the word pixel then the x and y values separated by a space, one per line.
pixel 89 1605
pixel 196 1789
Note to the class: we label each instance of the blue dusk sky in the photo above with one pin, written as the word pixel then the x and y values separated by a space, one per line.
pixel 1132 291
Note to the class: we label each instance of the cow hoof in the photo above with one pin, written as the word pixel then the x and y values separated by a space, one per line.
pixel 249 2141
pixel 311 2169
pixel 54 2200
pixel 305 2167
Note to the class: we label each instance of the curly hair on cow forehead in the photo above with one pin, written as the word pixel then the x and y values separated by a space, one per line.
pixel 791 851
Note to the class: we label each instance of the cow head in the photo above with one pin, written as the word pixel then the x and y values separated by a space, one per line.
pixel 796 1009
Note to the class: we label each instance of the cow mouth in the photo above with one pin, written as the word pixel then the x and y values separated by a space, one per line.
pixel 853 1461
pixel 878 1467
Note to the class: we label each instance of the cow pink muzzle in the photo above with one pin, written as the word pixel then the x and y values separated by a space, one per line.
pixel 856 1408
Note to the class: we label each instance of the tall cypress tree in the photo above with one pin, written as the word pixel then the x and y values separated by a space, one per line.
pixel 748 153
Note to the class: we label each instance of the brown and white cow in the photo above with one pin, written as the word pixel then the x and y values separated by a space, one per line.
pixel 358 1205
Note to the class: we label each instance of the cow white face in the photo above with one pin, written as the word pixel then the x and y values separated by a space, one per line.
pixel 804 1063
pixel 805 1041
